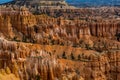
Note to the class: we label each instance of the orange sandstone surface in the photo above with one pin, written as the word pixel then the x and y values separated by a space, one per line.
pixel 42 47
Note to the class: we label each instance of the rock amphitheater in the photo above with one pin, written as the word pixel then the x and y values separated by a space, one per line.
pixel 58 44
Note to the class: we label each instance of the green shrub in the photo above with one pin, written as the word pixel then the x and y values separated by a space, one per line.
pixel 38 77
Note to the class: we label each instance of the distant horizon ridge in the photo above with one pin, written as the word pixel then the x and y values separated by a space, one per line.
pixel 84 3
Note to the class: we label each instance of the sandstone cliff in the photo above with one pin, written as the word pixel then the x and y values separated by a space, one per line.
pixel 34 47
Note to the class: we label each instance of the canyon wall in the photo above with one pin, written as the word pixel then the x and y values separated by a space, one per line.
pixel 43 29
pixel 32 61
pixel 35 47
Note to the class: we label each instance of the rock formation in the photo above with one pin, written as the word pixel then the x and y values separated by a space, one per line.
pixel 59 44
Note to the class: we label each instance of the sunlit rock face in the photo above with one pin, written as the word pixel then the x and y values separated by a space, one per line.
pixel 30 61
pixel 43 29
pixel 65 46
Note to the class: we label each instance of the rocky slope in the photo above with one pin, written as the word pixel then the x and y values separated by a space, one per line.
pixel 35 47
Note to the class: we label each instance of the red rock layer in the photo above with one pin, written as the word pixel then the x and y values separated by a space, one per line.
pixel 40 46
pixel 47 30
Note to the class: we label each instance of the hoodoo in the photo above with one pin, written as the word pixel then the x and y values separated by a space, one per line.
pixel 49 40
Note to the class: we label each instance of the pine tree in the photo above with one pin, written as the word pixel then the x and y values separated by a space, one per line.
pixel 72 56
pixel 64 55
pixel 79 57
